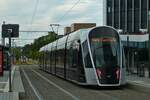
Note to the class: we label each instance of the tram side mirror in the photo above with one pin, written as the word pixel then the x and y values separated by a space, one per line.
pixel 120 31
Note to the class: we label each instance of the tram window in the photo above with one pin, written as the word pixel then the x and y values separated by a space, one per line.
pixel 72 54
pixel 52 58
pixel 60 58
pixel 48 58
pixel 104 52
pixel 80 62
pixel 86 55
pixel 123 59
pixel 40 60
pixel 43 59
pixel 105 48
pixel 75 53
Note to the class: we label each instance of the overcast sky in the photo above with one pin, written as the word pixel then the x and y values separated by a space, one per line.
pixel 38 14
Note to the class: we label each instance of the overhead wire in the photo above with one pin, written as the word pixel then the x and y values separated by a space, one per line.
pixel 34 12
pixel 61 18
pixel 68 11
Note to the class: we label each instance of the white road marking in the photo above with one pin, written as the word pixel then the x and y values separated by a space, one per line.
pixel 52 83
pixel 3 82
pixel 33 88
pixel 1 89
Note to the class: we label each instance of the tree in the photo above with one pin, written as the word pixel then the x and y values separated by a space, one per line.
pixel 32 50
pixel 17 52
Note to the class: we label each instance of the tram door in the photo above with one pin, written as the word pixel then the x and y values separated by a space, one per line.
pixel 81 73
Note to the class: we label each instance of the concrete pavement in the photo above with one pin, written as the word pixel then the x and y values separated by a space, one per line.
pixel 49 87
pixel 17 86
pixel 139 83
pixel 46 86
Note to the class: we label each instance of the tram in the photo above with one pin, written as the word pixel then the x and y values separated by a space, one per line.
pixel 92 56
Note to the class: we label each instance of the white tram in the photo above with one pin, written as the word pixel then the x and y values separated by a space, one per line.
pixel 92 56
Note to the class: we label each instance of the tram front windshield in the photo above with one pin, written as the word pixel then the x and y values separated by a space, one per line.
pixel 105 51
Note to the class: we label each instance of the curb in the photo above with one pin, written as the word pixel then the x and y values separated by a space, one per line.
pixel 9 96
pixel 6 89
pixel 138 86
pixel 20 89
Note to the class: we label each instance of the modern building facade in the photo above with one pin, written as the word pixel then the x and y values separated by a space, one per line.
pixel 132 16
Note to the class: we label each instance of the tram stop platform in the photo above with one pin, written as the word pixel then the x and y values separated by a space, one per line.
pixel 139 83
pixel 17 85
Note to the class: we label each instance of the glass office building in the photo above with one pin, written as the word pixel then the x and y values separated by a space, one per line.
pixel 129 15
pixel 133 17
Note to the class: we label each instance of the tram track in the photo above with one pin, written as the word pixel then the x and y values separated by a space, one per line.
pixel 55 85
pixel 76 92
pixel 42 89
pixel 32 87
pixel 73 91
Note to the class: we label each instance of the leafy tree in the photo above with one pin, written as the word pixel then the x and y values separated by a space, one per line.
pixel 17 52
pixel 31 50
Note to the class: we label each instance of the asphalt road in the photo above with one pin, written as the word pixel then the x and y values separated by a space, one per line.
pixel 40 85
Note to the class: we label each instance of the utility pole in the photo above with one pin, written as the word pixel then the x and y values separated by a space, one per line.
pixel 10 84
pixel 52 27
pixel 8 31
pixel 13 46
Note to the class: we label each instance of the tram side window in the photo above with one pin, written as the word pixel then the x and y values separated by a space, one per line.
pixel 53 58
pixel 71 57
pixel 49 56
pixel 46 58
pixel 80 62
pixel 123 59
pixel 86 55
pixel 60 58
pixel 75 50
pixel 72 54
pixel 42 57
pixel 40 60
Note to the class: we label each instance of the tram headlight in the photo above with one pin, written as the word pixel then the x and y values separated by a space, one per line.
pixel 99 73
pixel 118 74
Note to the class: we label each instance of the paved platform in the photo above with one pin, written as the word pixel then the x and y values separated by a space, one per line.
pixel 139 83
pixel 4 80
pixel 9 96
pixel 17 85
pixel 39 84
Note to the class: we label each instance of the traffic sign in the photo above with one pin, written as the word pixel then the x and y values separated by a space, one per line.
pixel 8 29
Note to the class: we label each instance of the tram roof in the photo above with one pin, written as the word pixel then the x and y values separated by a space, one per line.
pixel 61 42
pixel 80 34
